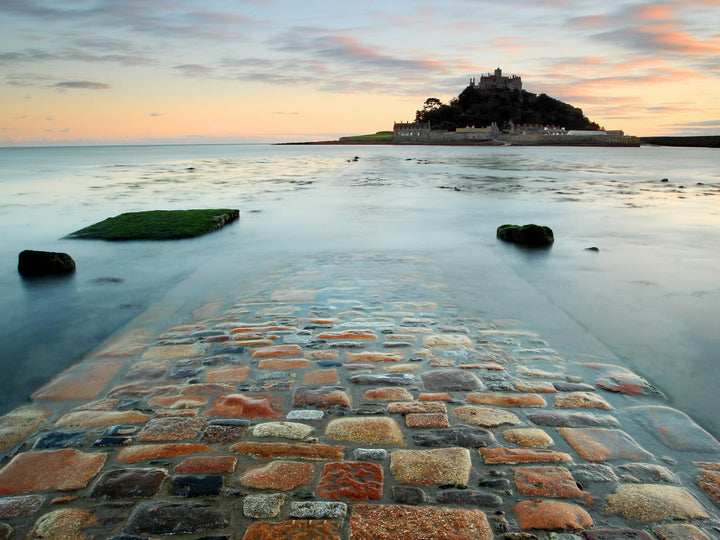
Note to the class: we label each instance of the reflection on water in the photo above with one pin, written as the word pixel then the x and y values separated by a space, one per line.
pixel 647 298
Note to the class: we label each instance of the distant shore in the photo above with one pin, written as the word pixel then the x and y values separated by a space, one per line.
pixel 700 141
pixel 708 141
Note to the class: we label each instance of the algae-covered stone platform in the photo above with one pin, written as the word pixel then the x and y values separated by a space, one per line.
pixel 354 410
pixel 159 225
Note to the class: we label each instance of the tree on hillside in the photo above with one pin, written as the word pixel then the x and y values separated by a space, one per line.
pixel 482 106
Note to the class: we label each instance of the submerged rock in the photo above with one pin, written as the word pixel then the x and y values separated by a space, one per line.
pixel 44 263
pixel 528 235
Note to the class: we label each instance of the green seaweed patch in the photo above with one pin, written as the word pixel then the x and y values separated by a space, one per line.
pixel 159 225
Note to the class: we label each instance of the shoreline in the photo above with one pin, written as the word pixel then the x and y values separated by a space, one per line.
pixel 338 410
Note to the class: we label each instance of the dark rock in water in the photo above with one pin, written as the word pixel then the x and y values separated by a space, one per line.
pixel 595 249
pixel 408 495
pixel 176 518
pixel 664 180
pixel 465 436
pixel 451 380
pixel 469 497
pixel 527 235
pixel 44 263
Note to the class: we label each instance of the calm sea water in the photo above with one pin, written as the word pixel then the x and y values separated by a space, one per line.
pixel 649 298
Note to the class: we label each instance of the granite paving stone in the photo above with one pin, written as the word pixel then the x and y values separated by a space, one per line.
pixel 128 483
pixel 507 400
pixel 171 429
pixel 283 430
pixel 391 522
pixel 356 481
pixel 654 502
pixel 62 469
pixel 315 529
pixel 392 393
pixel 161 517
pixel 598 444
pixel 513 456
pixel 367 430
pixel 675 429
pixel 390 379
pixel 101 418
pixel 451 380
pixel 190 485
pixel 371 356
pixel 587 400
pixel 485 416
pixel 246 406
pixel 315 406
pixel 206 465
pixel 20 506
pixel 680 531
pixel 323 397
pixel 321 377
pixel 60 439
pixel 427 420
pixel 135 454
pixel 281 474
pixel 307 415
pixel 551 482
pixel 417 407
pixel 469 497
pixel 464 436
pixel 448 341
pixel 431 467
pixel 708 478
pixel 572 419
pixel 528 437
pixel 227 374
pixel 66 523
pixel 223 430
pixel 318 510
pixel 299 450
pixel 81 381
pixel 263 506
pixel 551 516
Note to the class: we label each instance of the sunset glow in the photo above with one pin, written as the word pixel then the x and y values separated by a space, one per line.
pixel 138 71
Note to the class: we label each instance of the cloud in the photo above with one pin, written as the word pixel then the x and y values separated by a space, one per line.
pixel 154 114
pixel 194 70
pixel 88 85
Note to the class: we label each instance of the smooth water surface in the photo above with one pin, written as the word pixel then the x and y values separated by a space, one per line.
pixel 649 298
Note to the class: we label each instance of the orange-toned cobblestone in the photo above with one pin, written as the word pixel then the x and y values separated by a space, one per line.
pixel 512 456
pixel 63 469
pixel 134 454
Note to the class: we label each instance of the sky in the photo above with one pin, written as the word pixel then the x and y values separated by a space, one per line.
pixel 196 71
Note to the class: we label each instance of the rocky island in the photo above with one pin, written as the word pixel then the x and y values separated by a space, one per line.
pixel 497 111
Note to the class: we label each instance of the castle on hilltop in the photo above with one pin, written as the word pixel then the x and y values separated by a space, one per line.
pixel 498 80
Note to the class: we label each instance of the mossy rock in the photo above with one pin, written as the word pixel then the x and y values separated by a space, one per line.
pixel 527 235
pixel 159 225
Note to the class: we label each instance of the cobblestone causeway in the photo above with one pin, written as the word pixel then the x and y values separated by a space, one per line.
pixel 327 404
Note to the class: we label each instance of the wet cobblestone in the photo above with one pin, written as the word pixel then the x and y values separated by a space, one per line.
pixel 356 410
